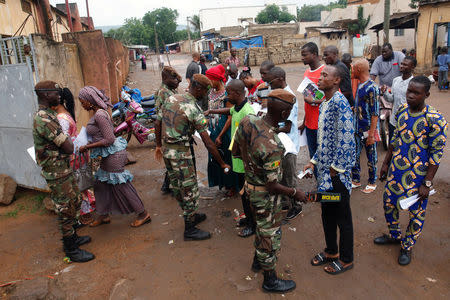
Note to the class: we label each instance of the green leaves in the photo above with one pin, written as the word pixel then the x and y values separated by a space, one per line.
pixel 273 14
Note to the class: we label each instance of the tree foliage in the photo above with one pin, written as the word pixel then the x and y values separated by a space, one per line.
pixel 273 14
pixel 196 23
pixel 414 3
pixel 361 23
pixel 310 13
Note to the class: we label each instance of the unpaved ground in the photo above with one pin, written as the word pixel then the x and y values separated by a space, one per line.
pixel 217 268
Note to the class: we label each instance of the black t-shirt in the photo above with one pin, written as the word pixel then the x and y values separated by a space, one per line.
pixel 346 82
pixel 192 69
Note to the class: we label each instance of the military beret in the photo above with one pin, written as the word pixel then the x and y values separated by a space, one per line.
pixel 171 72
pixel 47 86
pixel 283 95
pixel 202 80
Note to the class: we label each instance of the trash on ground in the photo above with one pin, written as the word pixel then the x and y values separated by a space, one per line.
pixel 248 278
pixel 165 223
pixel 370 219
pixel 292 229
pixel 170 242
pixel 431 279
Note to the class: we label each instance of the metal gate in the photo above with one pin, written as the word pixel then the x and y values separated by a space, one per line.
pixel 18 103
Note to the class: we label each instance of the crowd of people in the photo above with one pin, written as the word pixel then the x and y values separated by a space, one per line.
pixel 251 130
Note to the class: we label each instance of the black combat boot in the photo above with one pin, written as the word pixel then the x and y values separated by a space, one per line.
pixel 165 188
pixel 73 252
pixel 272 284
pixel 256 266
pixel 81 240
pixel 192 233
pixel 198 218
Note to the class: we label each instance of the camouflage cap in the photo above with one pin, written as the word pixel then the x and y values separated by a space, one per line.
pixel 283 95
pixel 171 72
pixel 47 85
pixel 202 80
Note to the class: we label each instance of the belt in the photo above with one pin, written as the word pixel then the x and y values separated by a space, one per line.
pixel 258 188
pixel 180 147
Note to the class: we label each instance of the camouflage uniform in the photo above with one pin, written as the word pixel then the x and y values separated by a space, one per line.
pixel 180 117
pixel 261 150
pixel 48 138
pixel 162 94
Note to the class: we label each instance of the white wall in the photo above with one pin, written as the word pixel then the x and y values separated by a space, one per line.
pixel 214 18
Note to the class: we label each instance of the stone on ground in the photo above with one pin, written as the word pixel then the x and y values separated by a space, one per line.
pixel 7 189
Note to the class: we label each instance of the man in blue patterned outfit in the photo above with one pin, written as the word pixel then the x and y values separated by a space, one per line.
pixel 334 158
pixel 365 118
pixel 412 160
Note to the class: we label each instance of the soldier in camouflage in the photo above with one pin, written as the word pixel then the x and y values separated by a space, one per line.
pixel 178 119
pixel 53 149
pixel 170 81
pixel 257 143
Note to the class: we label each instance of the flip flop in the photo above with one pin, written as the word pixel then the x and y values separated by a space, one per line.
pixel 369 189
pixel 322 259
pixel 338 268
pixel 355 185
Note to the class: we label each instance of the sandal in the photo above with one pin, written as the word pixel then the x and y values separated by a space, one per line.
pixel 322 259
pixel 140 222
pixel 355 184
pixel 338 268
pixel 370 188
pixel 100 221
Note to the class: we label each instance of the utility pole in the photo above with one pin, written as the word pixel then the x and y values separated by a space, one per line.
pixel 387 17
pixel 189 35
pixel 156 40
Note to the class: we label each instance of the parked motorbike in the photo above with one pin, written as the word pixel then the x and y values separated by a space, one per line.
pixel 132 125
pixel 119 109
pixel 385 113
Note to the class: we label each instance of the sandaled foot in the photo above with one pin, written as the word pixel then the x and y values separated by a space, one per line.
pixel 142 221
pixel 355 184
pixel 370 188
pixel 323 258
pixel 337 267
pixel 99 221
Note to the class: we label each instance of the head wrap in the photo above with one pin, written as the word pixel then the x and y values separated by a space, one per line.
pixel 216 73
pixel 171 72
pixel 202 80
pixel 282 95
pixel 95 97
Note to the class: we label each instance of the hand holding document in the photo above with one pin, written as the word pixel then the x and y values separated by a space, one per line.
pixel 308 87
pixel 406 203
pixel 80 140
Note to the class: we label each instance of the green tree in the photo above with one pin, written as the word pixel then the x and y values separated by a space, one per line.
pixel 414 3
pixel 273 14
pixel 196 23
pixel 361 23
pixel 310 13
pixel 182 35
pixel 133 32
pixel 163 20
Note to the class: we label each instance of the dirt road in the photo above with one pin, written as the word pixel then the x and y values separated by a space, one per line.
pixel 144 263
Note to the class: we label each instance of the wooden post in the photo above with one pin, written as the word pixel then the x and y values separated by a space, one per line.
pixel 387 17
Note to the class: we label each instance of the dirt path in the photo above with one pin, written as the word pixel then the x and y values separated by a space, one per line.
pixel 154 268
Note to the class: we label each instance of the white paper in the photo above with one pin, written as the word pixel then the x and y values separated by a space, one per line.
pixel 32 153
pixel 302 139
pixel 287 143
pixel 406 203
pixel 256 107
pixel 80 140
pixel 303 173
pixel 304 84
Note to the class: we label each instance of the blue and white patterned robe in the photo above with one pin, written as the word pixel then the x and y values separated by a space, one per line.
pixel 335 142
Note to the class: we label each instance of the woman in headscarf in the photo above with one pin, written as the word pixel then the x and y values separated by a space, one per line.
pixel 113 189
pixel 66 117
pixel 219 126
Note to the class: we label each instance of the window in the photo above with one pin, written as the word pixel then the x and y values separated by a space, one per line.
pixel 26 6
pixel 399 32
pixel 3 1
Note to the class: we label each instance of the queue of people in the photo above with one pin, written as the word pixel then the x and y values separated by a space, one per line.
pixel 247 127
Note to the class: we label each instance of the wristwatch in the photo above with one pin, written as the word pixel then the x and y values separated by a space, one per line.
pixel 427 183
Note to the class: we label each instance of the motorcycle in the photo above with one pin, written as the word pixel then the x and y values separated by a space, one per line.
pixel 119 109
pixel 132 123
pixel 385 114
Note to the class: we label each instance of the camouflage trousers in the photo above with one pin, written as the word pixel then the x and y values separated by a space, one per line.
pixel 183 180
pixel 67 200
pixel 266 210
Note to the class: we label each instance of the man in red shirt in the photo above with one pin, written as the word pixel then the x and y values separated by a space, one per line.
pixel 310 57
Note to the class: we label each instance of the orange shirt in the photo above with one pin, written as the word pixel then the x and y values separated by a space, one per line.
pixel 312 112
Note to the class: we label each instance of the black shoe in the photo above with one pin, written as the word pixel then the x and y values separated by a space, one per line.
pixel 273 284
pixel 256 266
pixel 242 222
pixel 386 240
pixel 198 218
pixel 405 257
pixel 294 212
pixel 78 225
pixel 73 252
pixel 81 240
pixel 192 233
pixel 246 232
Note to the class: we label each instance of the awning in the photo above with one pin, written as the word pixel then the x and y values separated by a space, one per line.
pixel 399 21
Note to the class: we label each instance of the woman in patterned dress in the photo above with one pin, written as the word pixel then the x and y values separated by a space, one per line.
pixel 66 117
pixel 113 189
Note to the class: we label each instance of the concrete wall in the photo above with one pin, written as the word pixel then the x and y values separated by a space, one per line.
pixel 273 29
pixel 12 16
pixel 93 57
pixel 231 30
pixel 429 16
pixel 118 64
pixel 302 26
pixel 215 18
pixel 59 62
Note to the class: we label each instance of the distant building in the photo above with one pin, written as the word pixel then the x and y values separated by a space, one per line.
pixel 215 18
pixel 24 17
